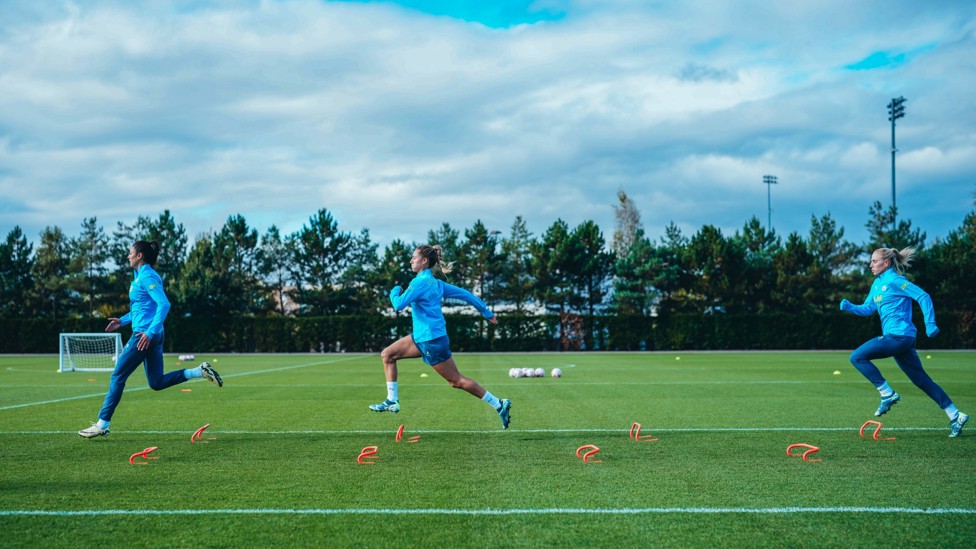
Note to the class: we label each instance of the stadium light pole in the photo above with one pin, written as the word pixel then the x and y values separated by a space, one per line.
pixel 769 181
pixel 896 110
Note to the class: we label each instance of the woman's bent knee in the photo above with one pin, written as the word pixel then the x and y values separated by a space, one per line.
pixel 459 383
pixel 859 355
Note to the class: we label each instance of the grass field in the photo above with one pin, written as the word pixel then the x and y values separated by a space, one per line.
pixel 287 430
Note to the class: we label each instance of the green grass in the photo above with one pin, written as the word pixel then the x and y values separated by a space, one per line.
pixel 288 429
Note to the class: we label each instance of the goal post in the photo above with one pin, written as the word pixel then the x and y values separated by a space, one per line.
pixel 89 352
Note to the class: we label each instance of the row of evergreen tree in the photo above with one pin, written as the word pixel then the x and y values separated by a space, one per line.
pixel 323 270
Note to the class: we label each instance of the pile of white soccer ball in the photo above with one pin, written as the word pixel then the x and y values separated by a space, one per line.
pixel 537 372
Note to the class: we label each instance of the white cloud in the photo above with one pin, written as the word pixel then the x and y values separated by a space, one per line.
pixel 397 121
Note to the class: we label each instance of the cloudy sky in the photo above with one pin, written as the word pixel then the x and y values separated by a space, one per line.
pixel 400 115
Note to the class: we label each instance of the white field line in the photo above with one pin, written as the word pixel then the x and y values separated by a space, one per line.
pixel 102 394
pixel 695 382
pixel 496 431
pixel 501 512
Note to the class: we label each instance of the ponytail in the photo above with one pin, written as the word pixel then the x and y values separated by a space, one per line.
pixel 900 260
pixel 435 257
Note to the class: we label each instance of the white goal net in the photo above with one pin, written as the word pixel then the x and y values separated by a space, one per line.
pixel 89 352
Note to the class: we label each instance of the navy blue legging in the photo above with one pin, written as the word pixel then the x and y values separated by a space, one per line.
pixel 128 361
pixel 902 349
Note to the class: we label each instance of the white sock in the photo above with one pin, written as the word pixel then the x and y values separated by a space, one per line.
pixel 952 412
pixel 886 390
pixel 492 400
pixel 102 424
pixel 191 373
pixel 392 392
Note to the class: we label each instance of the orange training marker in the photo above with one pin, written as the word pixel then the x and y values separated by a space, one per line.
pixel 586 456
pixel 143 454
pixel 369 453
pixel 635 430
pixel 399 436
pixel 195 437
pixel 811 450
pixel 876 431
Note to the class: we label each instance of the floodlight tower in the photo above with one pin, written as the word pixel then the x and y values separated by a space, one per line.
pixel 896 110
pixel 769 181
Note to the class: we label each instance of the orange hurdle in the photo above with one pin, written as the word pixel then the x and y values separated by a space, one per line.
pixel 143 454
pixel 586 456
pixel 399 436
pixel 635 430
pixel 196 436
pixel 368 453
pixel 811 450
pixel 876 430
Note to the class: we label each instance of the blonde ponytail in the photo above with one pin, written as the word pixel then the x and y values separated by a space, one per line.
pixel 900 260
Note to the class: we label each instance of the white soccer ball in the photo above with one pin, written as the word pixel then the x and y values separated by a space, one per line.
pixel 557 372
pixel 518 372
pixel 512 372
pixel 539 372
pixel 528 372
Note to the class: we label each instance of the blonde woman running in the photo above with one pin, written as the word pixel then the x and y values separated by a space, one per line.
pixel 429 338
pixel 891 297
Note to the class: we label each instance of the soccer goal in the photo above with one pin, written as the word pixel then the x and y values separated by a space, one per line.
pixel 89 352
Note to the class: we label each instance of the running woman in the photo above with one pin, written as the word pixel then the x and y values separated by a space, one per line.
pixel 429 338
pixel 891 296
pixel 149 306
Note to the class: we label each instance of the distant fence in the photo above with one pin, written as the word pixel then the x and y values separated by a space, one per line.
pixel 512 333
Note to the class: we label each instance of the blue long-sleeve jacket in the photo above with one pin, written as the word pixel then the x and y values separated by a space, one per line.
pixel 425 295
pixel 148 304
pixel 891 296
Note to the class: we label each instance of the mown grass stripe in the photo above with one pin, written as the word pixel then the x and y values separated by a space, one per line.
pixel 495 431
pixel 500 512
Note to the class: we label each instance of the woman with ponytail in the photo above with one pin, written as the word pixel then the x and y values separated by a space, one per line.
pixel 429 338
pixel 891 297
pixel 149 307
